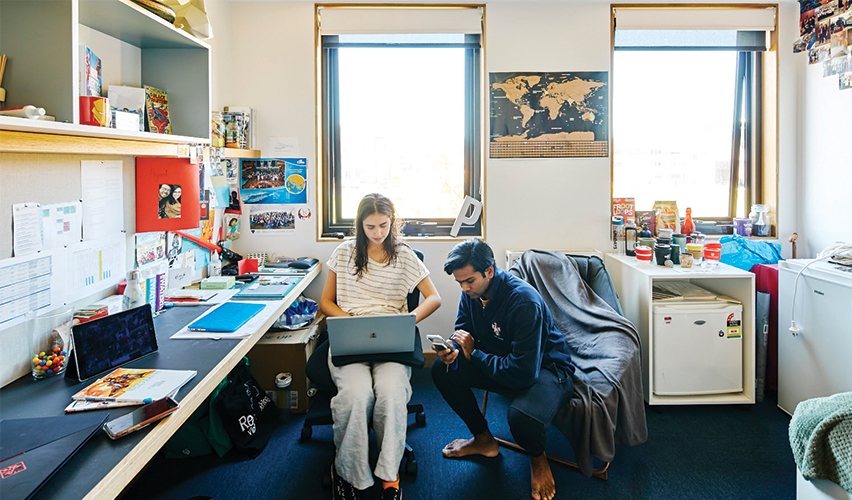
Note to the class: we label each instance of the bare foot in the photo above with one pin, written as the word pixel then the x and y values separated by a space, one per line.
pixel 543 486
pixel 482 444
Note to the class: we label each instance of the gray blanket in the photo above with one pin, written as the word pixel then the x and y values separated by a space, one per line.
pixel 821 438
pixel 607 408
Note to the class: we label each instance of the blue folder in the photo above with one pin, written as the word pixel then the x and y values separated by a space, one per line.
pixel 227 317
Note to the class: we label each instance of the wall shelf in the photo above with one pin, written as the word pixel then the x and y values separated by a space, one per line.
pixel 240 153
pixel 57 143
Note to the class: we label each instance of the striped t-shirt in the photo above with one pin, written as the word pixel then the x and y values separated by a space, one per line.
pixel 383 288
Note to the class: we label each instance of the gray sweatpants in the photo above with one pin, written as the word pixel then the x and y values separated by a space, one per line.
pixel 365 390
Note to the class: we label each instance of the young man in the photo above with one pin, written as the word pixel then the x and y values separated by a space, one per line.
pixel 505 341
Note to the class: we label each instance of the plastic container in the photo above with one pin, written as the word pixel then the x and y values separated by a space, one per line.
pixel 50 337
pixel 761 220
pixel 712 255
pixel 697 251
pixel 742 226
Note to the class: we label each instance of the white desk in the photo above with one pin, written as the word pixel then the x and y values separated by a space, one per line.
pixel 633 283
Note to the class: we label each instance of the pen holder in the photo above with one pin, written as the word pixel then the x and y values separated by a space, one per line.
pixel 50 336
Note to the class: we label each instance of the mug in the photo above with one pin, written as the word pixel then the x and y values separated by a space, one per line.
pixel 680 240
pixel 647 242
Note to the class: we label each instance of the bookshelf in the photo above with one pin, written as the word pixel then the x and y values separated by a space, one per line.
pixel 44 69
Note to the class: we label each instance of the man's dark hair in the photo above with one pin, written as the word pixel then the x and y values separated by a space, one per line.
pixel 472 251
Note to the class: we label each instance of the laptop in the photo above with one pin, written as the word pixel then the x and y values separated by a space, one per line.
pixel 348 335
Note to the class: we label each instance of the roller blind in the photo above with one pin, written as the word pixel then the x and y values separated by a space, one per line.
pixel 739 29
pixel 399 20
pixel 719 19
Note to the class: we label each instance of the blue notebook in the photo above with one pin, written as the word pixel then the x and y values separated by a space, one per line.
pixel 227 317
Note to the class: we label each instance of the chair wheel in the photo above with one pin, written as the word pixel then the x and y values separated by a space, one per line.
pixel 420 418
pixel 306 435
pixel 411 467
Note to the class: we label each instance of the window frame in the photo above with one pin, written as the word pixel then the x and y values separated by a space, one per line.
pixel 758 79
pixel 331 221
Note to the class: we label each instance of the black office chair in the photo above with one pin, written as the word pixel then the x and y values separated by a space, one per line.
pixel 323 389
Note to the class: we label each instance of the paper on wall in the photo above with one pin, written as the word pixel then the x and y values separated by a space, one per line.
pixel 30 283
pixel 61 224
pixel 96 265
pixel 103 204
pixel 26 228
pixel 281 147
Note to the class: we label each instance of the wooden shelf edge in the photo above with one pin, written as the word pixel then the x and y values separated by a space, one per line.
pixel 240 153
pixel 30 142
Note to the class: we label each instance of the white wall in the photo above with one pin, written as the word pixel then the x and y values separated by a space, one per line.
pixel 825 164
pixel 550 204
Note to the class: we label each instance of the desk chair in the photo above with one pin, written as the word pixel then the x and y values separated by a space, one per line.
pixel 607 408
pixel 322 385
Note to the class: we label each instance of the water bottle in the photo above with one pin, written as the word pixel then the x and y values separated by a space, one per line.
pixel 618 234
pixel 133 296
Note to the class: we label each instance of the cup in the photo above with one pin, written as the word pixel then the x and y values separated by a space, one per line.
pixel 680 240
pixel 712 255
pixel 686 260
pixel 665 232
pixel 50 339
pixel 675 255
pixel 647 242
pixel 644 254
pixel 246 266
pixel 95 111
pixel 662 252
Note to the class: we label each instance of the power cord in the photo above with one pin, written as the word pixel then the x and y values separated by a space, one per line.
pixel 839 251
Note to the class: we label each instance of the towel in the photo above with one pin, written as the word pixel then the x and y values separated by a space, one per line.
pixel 821 438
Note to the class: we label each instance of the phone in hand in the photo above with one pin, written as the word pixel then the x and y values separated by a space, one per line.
pixel 439 343
pixel 139 418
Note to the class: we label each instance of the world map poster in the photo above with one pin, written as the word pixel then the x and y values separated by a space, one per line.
pixel 549 115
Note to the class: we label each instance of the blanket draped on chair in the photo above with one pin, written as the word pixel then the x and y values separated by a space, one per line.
pixel 821 438
pixel 607 408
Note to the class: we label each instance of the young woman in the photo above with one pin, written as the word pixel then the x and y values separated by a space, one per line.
pixel 372 274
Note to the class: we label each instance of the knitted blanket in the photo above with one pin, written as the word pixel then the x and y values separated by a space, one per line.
pixel 821 438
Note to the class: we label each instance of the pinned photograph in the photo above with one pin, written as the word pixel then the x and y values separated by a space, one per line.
pixel 838 44
pixel 826 11
pixel 169 204
pixel 846 81
pixel 818 54
pixel 232 226
pixel 265 220
pixel 823 33
pixel 807 22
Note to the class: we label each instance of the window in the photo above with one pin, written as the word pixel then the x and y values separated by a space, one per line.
pixel 688 110
pixel 400 115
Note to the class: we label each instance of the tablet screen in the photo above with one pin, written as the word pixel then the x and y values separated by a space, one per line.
pixel 106 343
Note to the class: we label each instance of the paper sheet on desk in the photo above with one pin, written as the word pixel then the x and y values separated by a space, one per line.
pixel 246 330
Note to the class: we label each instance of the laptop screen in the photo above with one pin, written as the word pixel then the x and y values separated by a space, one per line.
pixel 106 343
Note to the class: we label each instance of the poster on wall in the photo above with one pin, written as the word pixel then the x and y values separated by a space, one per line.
pixel 274 181
pixel 271 220
pixel 549 115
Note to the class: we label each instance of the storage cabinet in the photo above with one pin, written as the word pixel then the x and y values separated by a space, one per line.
pixel 42 38
pixel 634 282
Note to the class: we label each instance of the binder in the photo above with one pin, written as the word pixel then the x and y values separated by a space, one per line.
pixel 227 317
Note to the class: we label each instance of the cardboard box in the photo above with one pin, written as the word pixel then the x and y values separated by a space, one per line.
pixel 286 352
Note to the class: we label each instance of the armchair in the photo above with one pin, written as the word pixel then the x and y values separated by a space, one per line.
pixel 607 408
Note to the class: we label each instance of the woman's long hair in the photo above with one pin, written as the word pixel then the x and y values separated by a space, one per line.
pixel 370 204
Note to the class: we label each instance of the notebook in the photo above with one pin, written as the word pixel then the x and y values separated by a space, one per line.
pixel 349 335
pixel 267 288
pixel 227 317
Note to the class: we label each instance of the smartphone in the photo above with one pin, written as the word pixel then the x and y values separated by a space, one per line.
pixel 140 418
pixel 439 342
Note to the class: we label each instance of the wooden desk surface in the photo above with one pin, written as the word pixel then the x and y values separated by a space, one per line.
pixel 103 467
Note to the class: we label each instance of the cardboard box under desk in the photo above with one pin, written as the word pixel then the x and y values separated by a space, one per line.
pixel 286 352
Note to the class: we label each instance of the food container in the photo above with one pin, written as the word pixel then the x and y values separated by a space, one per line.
pixel 50 335
pixel 712 255
pixel 696 249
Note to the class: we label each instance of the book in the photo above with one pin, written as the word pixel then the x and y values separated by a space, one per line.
pixel 228 317
pixel 90 73
pixel 157 111
pixel 267 287
pixel 89 313
pixel 135 385
pixel 128 100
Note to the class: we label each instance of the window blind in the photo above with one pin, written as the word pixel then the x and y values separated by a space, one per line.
pixel 344 20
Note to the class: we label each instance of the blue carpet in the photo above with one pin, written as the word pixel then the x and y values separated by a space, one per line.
pixel 694 452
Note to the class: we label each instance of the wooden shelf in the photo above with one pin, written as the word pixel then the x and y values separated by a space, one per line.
pixel 20 135
pixel 240 153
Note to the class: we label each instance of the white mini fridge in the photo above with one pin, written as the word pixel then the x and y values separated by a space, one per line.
pixel 698 348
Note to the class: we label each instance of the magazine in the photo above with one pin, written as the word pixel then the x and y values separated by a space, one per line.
pixel 90 73
pixel 135 385
pixel 157 111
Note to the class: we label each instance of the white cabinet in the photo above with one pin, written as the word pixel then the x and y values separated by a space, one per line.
pixel 634 282
pixel 42 38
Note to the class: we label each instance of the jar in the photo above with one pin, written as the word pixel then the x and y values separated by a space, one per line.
pixel 686 260
pixel 50 341
pixel 712 255
pixel 761 222
pixel 696 249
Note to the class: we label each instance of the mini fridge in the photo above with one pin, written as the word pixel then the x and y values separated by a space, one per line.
pixel 698 348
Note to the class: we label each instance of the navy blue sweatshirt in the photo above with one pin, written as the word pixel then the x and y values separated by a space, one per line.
pixel 514 334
